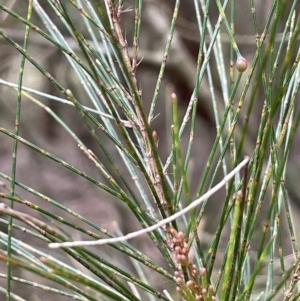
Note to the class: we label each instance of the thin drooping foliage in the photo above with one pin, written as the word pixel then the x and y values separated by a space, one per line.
pixel 104 56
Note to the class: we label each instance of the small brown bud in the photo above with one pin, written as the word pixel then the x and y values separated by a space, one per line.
pixel 241 64
pixel 189 283
pixel 155 138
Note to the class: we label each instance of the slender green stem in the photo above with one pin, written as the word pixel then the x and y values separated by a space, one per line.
pixel 15 150
pixel 164 61
pixel 228 29
pixel 184 179
pixel 44 288
pixel 136 36
pixel 124 248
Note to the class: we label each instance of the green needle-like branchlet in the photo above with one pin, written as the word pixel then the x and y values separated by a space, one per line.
pixel 231 71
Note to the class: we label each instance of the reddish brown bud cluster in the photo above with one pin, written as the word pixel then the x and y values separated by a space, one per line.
pixel 181 248
pixel 192 285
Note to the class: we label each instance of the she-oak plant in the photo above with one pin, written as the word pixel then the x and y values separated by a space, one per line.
pixel 105 62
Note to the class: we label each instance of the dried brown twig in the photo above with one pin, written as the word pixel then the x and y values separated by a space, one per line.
pixel 33 222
